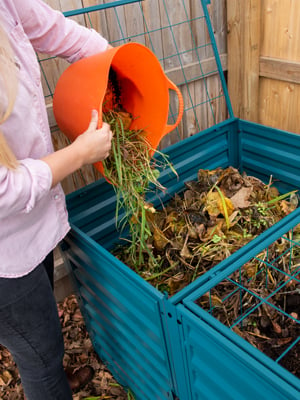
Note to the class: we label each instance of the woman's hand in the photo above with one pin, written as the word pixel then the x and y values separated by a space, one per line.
pixel 91 146
pixel 94 144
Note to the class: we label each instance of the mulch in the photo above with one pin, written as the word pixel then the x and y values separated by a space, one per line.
pixel 79 352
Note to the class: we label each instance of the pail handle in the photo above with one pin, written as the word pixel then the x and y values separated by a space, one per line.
pixel 172 86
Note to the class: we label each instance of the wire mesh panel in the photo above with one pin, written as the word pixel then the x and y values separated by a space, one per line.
pixel 177 33
pixel 260 301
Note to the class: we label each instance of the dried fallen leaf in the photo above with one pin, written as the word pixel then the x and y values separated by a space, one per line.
pixel 282 341
pixel 294 315
pixel 213 300
pixel 276 327
pixel 159 239
pixel 241 198
pixel 185 252
pixel 251 270
pixel 214 205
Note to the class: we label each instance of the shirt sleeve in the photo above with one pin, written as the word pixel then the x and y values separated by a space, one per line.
pixel 52 33
pixel 22 188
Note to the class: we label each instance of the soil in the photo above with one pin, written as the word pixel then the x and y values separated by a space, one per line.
pixel 78 352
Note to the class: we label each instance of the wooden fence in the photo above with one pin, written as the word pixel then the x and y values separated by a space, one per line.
pixel 264 61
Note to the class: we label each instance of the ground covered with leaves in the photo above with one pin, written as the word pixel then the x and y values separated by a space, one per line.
pixel 78 353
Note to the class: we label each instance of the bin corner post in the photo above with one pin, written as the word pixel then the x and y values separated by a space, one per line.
pixel 174 338
pixel 234 144
pixel 205 4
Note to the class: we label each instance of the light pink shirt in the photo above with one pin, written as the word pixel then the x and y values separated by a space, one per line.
pixel 33 217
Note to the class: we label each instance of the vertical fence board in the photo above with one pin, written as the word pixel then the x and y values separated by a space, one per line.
pixel 264 61
pixel 152 25
pixel 244 20
pixel 279 98
pixel 234 39
pixel 134 23
pixel 116 25
pixel 177 41
pixel 96 20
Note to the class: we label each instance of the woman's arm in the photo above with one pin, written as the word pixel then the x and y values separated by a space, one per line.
pixel 92 146
pixel 22 188
pixel 52 33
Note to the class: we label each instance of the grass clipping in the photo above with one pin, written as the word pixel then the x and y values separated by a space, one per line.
pixel 213 217
pixel 133 173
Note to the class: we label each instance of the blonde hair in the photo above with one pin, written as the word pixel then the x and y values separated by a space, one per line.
pixel 8 84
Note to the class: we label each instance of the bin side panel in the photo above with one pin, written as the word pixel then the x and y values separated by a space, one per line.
pixel 269 152
pixel 122 315
pixel 219 369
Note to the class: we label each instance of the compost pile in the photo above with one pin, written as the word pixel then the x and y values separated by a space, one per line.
pixel 213 217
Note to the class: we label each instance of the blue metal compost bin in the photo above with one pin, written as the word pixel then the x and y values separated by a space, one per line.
pixel 170 348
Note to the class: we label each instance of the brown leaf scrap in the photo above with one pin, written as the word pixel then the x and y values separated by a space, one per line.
pixel 241 198
pixel 214 205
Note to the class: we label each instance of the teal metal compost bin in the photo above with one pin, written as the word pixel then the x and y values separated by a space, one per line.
pixel 158 346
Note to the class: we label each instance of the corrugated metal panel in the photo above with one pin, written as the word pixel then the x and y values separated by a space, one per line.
pixel 219 369
pixel 123 317
pixel 269 152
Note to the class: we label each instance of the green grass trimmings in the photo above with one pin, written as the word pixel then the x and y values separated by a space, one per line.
pixel 133 173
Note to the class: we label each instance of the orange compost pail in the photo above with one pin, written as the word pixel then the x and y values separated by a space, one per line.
pixel 143 85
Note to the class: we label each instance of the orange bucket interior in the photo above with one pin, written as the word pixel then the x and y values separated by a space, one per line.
pixel 144 92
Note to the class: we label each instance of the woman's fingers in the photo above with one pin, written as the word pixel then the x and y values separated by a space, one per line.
pixel 94 121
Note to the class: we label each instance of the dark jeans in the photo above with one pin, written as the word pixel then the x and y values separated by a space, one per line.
pixel 30 329
pixel 49 267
